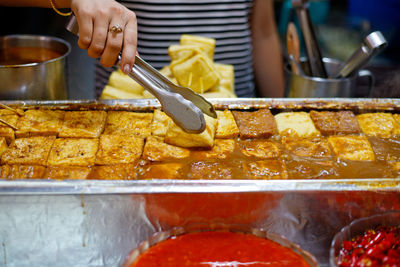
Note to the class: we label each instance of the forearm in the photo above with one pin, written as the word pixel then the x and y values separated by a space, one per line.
pixel 36 3
pixel 268 66
pixel 267 55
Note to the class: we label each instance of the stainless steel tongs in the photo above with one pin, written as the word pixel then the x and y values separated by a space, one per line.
pixel 183 105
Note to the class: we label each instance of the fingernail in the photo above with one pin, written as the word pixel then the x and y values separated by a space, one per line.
pixel 137 53
pixel 127 68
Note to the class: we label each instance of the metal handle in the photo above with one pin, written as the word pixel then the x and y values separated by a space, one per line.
pixel 371 80
pixel 317 67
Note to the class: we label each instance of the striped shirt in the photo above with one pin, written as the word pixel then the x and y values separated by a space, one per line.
pixel 162 22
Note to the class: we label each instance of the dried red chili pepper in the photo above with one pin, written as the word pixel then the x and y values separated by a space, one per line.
pixel 376 247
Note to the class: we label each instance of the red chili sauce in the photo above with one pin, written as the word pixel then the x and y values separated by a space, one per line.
pixel 218 249
pixel 380 247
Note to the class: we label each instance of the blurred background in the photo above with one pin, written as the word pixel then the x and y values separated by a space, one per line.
pixel 341 25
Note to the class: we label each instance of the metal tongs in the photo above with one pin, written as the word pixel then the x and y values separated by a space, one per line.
pixel 317 67
pixel 372 45
pixel 183 105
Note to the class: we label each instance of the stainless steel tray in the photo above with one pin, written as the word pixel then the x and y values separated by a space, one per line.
pixel 97 223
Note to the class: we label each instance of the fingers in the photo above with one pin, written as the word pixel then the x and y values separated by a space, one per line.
pixel 113 44
pixel 85 31
pixel 99 37
pixel 130 45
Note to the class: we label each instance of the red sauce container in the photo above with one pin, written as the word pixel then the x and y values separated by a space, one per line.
pixel 371 242
pixel 216 246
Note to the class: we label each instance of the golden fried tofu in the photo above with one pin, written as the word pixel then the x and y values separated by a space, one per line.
pixel 255 124
pixel 266 169
pixel 26 172
pixel 221 150
pixel 227 127
pixel 181 52
pixel 83 124
pixel 379 124
pixel 297 124
pixel 227 76
pixel 4 171
pixel 3 145
pixel 352 147
pixel 118 149
pixel 114 172
pixel 197 73
pixel 210 171
pixel 67 172
pixel 40 122
pixel 162 171
pixel 160 122
pixel 315 147
pixel 29 151
pixel 178 137
pixel 73 152
pixel 128 123
pixel 339 122
pixel 156 150
pixel 301 169
pixel 260 149
pixel 11 118
pixel 207 45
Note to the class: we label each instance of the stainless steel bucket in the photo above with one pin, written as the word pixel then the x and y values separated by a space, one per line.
pixel 306 86
pixel 45 80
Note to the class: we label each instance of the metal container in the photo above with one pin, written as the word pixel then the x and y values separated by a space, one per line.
pixel 307 86
pixel 97 223
pixel 45 80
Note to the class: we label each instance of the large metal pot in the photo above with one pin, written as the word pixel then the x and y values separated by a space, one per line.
pixel 41 80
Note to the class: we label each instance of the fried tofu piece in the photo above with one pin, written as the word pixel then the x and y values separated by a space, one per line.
pixel 29 151
pixel 301 169
pixel 221 150
pixel 26 172
pixel 182 52
pixel 315 147
pixel 379 124
pixel 67 172
pixel 352 147
pixel 11 118
pixel 156 150
pixel 331 123
pixel 227 76
pixel 3 145
pixel 83 124
pixel 227 127
pixel 197 73
pixel 40 122
pixel 128 123
pixel 162 171
pixel 4 171
pixel 255 124
pixel 385 149
pixel 207 45
pixel 297 124
pixel 266 169
pixel 73 152
pixel 160 122
pixel 118 149
pixel 178 137
pixel 114 172
pixel 260 149
pixel 210 171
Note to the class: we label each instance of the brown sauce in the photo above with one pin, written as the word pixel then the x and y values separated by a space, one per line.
pixel 26 55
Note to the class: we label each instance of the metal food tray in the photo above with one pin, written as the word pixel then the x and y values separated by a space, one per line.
pixel 97 223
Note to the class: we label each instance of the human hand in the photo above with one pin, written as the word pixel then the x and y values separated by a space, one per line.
pixel 95 20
